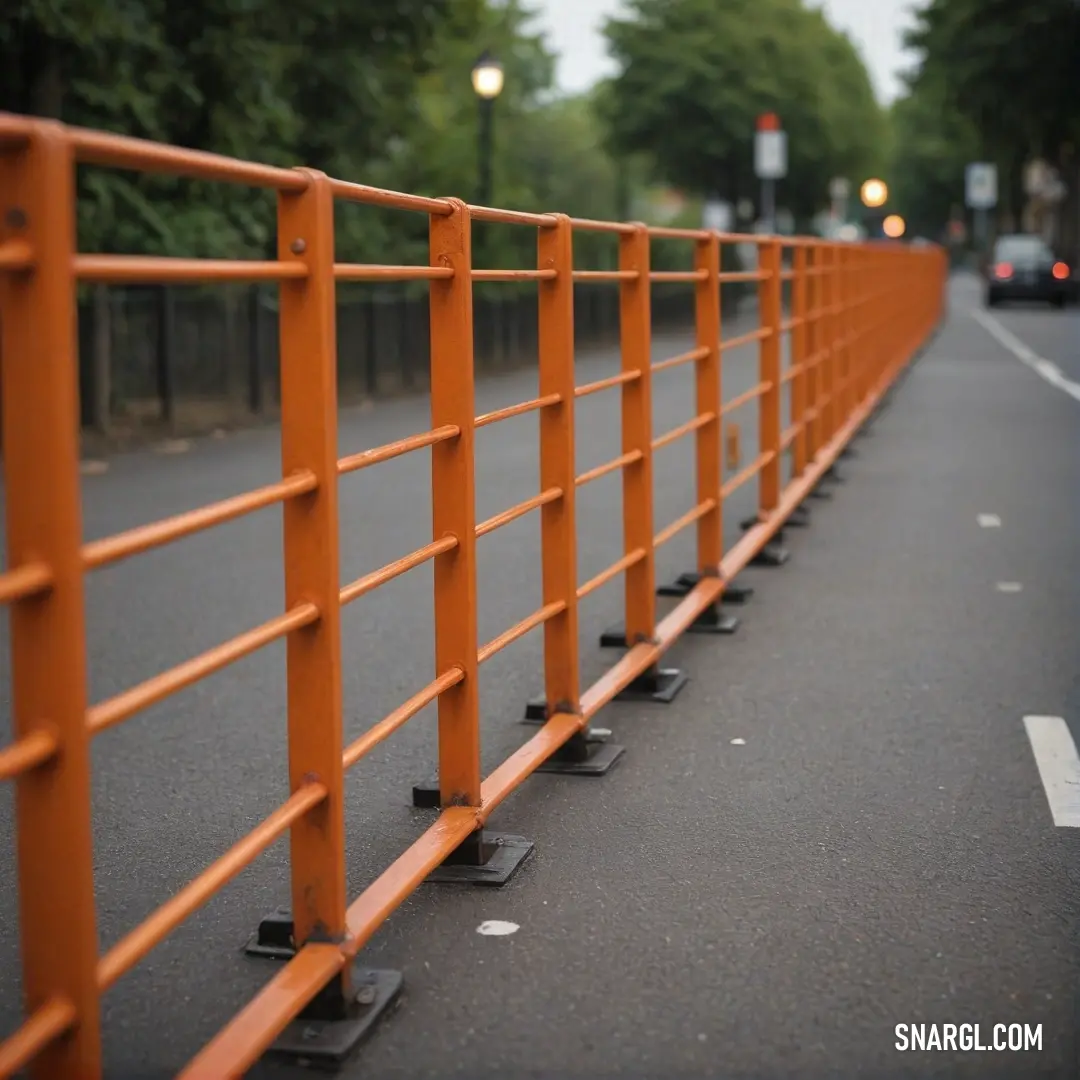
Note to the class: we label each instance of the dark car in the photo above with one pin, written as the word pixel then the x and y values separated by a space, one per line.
pixel 1024 268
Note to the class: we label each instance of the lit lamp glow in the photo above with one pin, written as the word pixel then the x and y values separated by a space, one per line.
pixel 874 193
pixel 894 226
pixel 487 77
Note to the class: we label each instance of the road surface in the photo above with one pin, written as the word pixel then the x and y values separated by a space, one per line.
pixel 838 827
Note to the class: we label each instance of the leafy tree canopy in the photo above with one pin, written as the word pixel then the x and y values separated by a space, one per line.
pixel 695 75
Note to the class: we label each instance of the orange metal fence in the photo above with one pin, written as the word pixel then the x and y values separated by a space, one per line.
pixel 857 315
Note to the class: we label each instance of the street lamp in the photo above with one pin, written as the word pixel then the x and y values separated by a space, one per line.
pixel 874 193
pixel 487 81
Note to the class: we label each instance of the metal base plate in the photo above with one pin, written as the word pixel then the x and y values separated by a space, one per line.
pixel 536 710
pixel 848 453
pixel 799 518
pixel 324 1044
pixel 680 586
pixel 713 621
pixel 273 940
pixel 771 555
pixel 508 855
pixel 737 594
pixel 426 794
pixel 660 686
pixel 833 473
pixel 601 758
pixel 614 637
pixel 821 493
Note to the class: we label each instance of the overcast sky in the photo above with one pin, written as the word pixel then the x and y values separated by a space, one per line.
pixel 573 29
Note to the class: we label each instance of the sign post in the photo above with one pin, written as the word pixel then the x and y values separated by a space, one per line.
pixel 981 195
pixel 770 164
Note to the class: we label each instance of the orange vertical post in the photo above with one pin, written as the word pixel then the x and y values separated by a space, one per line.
pixel 54 844
pixel 769 303
pixel 845 326
pixel 813 347
pixel 558 530
pixel 799 355
pixel 709 398
pixel 307 321
pixel 453 493
pixel 635 330
pixel 830 343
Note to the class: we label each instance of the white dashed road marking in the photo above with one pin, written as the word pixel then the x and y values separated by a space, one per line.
pixel 497 928
pixel 1042 367
pixel 1009 586
pixel 989 521
pixel 1059 767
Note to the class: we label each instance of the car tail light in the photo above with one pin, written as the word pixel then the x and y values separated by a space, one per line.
pixel 1003 270
pixel 1061 271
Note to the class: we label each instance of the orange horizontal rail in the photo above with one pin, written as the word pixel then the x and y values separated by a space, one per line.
pixel 687 519
pixel 511 217
pixel 121 269
pixel 392 200
pixel 629 458
pixel 27 753
pixel 112 549
pixel 687 357
pixel 363 585
pixel 16 255
pixel 372 272
pixel 678 275
pixel 122 706
pixel 519 630
pixel 123 152
pixel 23 581
pixel 730 276
pixel 673 233
pixel 366 458
pixel 47 1023
pixel 613 571
pixel 129 950
pixel 760 334
pixel 513 275
pixel 606 384
pixel 745 398
pixel 621 228
pixel 746 474
pixel 517 410
pixel 842 299
pixel 606 275
pixel 520 510
pixel 682 430
pixel 401 715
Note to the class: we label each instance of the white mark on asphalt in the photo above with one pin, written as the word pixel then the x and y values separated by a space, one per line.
pixel 93 468
pixel 989 521
pixel 497 928
pixel 1042 367
pixel 1008 586
pixel 738 742
pixel 1059 766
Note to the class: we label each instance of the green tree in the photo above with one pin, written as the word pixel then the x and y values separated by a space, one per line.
pixel 695 74
pixel 1011 72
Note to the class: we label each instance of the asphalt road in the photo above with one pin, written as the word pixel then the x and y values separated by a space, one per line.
pixel 879 850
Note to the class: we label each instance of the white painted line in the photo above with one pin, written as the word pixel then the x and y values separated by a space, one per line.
pixel 497 928
pixel 1008 586
pixel 989 521
pixel 738 742
pixel 1059 767
pixel 1042 367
